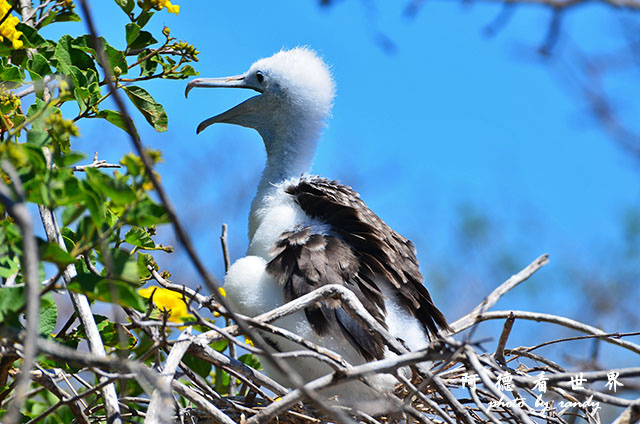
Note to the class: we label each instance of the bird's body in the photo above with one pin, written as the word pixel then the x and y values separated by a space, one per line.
pixel 306 231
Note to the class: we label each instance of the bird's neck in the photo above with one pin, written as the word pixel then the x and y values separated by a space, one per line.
pixel 289 155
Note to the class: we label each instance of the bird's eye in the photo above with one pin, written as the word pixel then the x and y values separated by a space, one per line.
pixel 260 77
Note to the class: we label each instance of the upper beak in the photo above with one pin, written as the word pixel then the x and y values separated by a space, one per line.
pixel 237 81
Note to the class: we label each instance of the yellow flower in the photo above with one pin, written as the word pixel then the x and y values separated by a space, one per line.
pixel 171 8
pixel 8 26
pixel 168 300
pixel 223 292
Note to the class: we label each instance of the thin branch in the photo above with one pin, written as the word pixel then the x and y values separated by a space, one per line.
pixel 553 319
pixel 500 291
pixel 95 164
pixel 80 304
pixel 161 400
pixel 19 212
pixel 502 342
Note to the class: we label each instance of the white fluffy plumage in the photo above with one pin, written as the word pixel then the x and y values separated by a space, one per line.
pixel 296 96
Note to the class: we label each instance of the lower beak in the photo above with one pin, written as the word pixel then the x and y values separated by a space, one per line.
pixel 232 116
pixel 235 114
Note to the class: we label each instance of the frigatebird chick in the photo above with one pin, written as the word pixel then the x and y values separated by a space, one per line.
pixel 306 231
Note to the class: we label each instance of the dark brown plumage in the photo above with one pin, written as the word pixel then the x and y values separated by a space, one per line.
pixel 359 251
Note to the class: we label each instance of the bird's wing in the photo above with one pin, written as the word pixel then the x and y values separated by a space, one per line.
pixel 359 250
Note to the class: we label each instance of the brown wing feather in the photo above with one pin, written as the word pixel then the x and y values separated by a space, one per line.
pixel 380 251
pixel 304 261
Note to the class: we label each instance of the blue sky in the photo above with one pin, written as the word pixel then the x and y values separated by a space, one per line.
pixel 451 117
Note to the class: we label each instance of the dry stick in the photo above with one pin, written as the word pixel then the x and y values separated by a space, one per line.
pixel 80 305
pixel 44 379
pixel 463 323
pixel 484 409
pixel 227 264
pixel 201 402
pixel 426 399
pixel 615 335
pixel 351 303
pixel 158 410
pixel 19 212
pixel 95 164
pixel 185 240
pixel 553 319
pixel 479 369
pixel 631 415
pixel 353 306
pixel 209 354
pixel 504 336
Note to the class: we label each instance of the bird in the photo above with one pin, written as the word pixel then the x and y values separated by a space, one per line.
pixel 307 231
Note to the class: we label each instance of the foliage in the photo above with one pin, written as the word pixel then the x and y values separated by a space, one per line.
pixel 108 217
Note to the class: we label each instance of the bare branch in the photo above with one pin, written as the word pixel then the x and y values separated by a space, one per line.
pixel 19 212
pixel 80 304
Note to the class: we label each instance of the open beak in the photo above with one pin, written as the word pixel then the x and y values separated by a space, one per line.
pixel 232 115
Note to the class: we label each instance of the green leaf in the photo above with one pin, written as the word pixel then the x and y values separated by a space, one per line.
pixel 72 212
pixel 133 163
pixel 251 360
pixel 115 118
pixel 145 260
pixel 147 67
pixel 114 56
pixel 9 266
pixel 197 365
pixel 125 266
pixel 126 5
pixel 188 71
pixel 48 315
pixel 152 111
pixel 51 252
pixel 120 293
pixel 66 16
pixel 144 17
pixel 147 213
pixel 116 189
pixel 69 159
pixel 141 40
pixel 11 73
pixel 110 333
pixel 132 30
pixel 137 236
pixel 67 56
pixel 40 65
pixel 37 137
pixel 220 345
pixel 11 300
pixel 30 36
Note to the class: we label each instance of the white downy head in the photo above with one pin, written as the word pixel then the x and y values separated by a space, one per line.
pixel 296 95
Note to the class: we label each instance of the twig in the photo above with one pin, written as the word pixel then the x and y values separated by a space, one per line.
pixel 500 291
pixel 554 319
pixel 95 164
pixel 504 336
pixel 201 402
pixel 19 212
pixel 161 400
pixel 81 305
pixel 631 415
pixel 227 264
